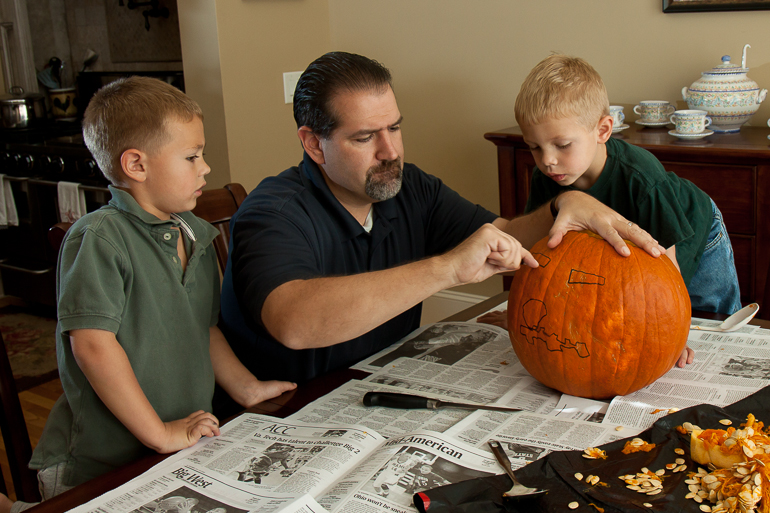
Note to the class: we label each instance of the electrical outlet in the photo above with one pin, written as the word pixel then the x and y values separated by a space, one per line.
pixel 290 80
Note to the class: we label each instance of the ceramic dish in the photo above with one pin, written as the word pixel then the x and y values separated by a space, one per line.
pixel 651 123
pixel 691 137
pixel 619 128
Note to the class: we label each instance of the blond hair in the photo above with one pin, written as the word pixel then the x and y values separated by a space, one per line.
pixel 559 87
pixel 131 113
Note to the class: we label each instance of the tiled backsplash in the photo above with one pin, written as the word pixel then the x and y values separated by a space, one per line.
pixel 68 28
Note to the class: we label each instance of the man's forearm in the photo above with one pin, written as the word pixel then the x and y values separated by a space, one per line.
pixel 529 228
pixel 303 314
pixel 321 312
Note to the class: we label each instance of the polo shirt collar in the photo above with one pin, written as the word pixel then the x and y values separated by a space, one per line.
pixel 383 210
pixel 124 202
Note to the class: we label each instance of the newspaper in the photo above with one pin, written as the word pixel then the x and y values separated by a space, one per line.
pixel 338 455
pixel 260 463
pixel 461 345
pixel 527 436
pixel 727 368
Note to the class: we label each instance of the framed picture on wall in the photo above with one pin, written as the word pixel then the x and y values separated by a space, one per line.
pixel 714 5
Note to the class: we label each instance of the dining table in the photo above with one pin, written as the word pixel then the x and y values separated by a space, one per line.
pixel 281 407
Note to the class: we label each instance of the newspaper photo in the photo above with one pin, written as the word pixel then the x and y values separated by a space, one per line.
pixel 451 344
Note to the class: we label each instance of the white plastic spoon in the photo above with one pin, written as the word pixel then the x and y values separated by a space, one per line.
pixel 734 322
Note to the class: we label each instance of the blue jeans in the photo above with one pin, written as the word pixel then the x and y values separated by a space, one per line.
pixel 714 287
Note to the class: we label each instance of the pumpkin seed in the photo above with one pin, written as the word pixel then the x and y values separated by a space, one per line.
pixel 573 505
pixel 725 422
pixel 679 450
pixel 578 476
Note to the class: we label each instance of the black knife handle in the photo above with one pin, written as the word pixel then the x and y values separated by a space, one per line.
pixel 393 400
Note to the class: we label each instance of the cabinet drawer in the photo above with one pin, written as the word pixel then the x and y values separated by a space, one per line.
pixel 732 188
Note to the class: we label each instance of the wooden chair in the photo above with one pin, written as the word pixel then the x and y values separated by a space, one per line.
pixel 56 235
pixel 15 435
pixel 217 206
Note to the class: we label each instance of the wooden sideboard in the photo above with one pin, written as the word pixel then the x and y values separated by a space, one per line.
pixel 734 169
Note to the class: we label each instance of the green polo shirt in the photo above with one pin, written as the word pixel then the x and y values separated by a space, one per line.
pixel 635 184
pixel 118 271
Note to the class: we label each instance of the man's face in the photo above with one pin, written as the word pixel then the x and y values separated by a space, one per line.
pixel 363 157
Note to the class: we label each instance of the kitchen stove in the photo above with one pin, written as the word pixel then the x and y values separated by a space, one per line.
pixel 54 152
pixel 34 161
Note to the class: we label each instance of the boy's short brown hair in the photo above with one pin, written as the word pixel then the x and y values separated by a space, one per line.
pixel 132 113
pixel 561 86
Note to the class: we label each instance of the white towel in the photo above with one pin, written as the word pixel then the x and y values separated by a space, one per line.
pixel 72 202
pixel 8 214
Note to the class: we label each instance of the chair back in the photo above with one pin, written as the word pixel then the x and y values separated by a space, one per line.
pixel 15 435
pixel 56 234
pixel 217 206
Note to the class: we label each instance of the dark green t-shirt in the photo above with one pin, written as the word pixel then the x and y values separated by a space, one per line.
pixel 119 271
pixel 635 184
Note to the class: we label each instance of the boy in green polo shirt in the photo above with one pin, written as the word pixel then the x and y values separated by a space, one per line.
pixel 563 112
pixel 138 298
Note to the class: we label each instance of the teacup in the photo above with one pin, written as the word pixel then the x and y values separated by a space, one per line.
pixel 654 111
pixel 690 121
pixel 616 111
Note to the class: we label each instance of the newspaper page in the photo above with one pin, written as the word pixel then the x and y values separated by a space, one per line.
pixel 257 463
pixel 466 345
pixel 467 384
pixel 727 368
pixel 264 464
pixel 527 436
pixel 305 504
pixel 402 466
pixel 344 406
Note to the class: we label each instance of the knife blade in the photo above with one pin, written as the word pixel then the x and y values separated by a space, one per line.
pixel 414 402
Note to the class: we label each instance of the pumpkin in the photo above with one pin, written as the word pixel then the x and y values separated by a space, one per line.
pixel 708 447
pixel 592 323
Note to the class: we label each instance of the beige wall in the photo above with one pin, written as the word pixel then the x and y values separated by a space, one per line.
pixel 457 67
pixel 259 40
pixel 203 81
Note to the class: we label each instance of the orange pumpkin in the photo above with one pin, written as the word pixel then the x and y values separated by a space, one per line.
pixel 591 323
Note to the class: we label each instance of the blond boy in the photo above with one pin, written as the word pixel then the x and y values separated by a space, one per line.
pixel 563 112
pixel 138 297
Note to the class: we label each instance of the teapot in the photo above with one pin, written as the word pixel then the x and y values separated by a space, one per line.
pixel 727 94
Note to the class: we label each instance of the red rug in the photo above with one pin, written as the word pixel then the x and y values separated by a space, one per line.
pixel 30 340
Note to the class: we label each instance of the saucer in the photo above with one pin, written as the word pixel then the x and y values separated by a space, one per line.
pixel 619 128
pixel 651 123
pixel 690 137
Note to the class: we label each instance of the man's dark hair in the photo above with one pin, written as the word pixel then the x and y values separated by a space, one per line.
pixel 326 77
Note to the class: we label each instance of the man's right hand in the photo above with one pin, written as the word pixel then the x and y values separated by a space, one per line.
pixel 487 252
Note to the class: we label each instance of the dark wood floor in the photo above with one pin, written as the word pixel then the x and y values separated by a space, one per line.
pixel 36 404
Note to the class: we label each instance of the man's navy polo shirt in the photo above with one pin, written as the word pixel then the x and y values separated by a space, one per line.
pixel 291 227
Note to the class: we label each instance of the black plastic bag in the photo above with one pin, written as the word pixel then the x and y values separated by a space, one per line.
pixel 556 471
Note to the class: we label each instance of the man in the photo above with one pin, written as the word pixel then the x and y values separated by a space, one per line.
pixel 330 260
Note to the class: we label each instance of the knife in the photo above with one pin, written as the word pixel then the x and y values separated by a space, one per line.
pixel 414 402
